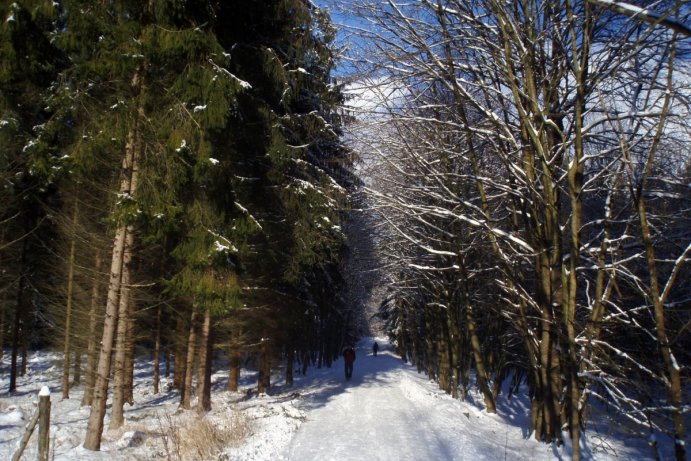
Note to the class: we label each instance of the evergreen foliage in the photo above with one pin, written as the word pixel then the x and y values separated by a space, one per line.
pixel 204 135
pixel 29 163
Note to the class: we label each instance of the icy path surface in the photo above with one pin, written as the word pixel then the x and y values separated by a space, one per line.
pixel 388 411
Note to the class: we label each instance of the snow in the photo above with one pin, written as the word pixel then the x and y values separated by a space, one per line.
pixel 247 213
pixel 183 144
pixel 387 411
pixel 11 417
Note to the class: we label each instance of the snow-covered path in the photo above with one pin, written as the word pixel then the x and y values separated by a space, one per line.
pixel 388 412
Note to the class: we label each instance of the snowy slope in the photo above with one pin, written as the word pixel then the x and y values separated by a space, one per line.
pixel 386 412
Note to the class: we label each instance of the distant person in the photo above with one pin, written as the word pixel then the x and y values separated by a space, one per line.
pixel 375 348
pixel 349 358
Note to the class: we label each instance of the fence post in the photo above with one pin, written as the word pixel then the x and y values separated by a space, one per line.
pixel 43 423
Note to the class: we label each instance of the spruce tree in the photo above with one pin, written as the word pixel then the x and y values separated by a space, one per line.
pixel 289 147
pixel 29 166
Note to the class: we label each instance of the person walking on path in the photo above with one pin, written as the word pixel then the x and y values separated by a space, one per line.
pixel 375 348
pixel 349 358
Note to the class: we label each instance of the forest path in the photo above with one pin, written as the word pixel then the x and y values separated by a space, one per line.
pixel 388 411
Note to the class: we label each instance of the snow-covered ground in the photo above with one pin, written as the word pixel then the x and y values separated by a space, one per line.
pixel 387 411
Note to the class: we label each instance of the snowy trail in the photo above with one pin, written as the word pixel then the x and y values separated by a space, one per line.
pixel 388 412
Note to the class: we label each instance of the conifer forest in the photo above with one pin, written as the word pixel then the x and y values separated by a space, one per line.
pixel 502 187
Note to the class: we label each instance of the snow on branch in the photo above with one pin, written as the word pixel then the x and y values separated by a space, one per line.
pixel 242 83
pixel 677 267
pixel 643 14
pixel 246 212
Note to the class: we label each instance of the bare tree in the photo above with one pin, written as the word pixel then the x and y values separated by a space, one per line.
pixel 492 139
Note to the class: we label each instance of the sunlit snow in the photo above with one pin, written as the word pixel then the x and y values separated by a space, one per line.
pixel 387 411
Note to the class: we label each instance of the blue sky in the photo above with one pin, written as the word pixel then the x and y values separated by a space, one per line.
pixel 339 19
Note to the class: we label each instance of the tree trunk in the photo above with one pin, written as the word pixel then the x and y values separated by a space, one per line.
pixel 128 186
pixel 205 361
pixel 672 379
pixel 130 344
pixel 77 368
pixel 2 325
pixel 264 377
pixel 3 298
pixel 25 351
pixel 235 360
pixel 455 334
pixel 16 335
pixel 290 362
pixel 17 321
pixel 673 371
pixel 482 380
pixel 443 351
pixel 93 323
pixel 234 371
pixel 157 351
pixel 94 429
pixel 117 411
pixel 186 397
pixel 68 306
pixel 179 358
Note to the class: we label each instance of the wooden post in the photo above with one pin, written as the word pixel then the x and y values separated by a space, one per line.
pixel 42 418
pixel 43 423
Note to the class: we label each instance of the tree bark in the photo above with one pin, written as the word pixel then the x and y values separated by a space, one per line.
pixel 94 429
pixel 93 322
pixel 205 361
pixel 179 358
pixel 3 298
pixel 25 352
pixel 480 370
pixel 119 369
pixel 128 186
pixel 166 353
pixel 2 325
pixel 234 371
pixel 130 345
pixel 186 397
pixel 157 351
pixel 68 307
pixel 16 334
pixel 77 368
pixel 264 376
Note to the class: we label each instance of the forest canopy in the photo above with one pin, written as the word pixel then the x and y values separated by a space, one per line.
pixel 173 179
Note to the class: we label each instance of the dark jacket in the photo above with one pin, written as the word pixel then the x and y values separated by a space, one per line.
pixel 349 355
